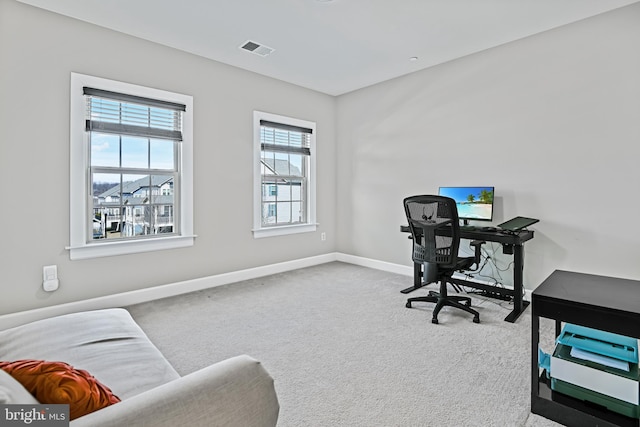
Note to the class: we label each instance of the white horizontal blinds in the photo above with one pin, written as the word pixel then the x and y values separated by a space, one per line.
pixel 122 114
pixel 285 152
pixel 285 138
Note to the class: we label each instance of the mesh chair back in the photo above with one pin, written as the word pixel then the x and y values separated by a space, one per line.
pixel 433 212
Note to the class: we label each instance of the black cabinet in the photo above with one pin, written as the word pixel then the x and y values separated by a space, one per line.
pixel 600 302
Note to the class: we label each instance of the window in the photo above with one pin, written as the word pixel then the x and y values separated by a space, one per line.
pixel 131 168
pixel 284 175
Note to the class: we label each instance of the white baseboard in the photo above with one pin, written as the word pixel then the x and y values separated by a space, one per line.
pixel 178 288
pixel 163 291
pixel 375 264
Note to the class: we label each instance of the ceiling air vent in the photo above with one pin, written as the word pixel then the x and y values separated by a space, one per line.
pixel 258 49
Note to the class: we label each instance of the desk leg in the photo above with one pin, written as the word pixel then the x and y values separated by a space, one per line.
pixel 417 279
pixel 417 275
pixel 518 266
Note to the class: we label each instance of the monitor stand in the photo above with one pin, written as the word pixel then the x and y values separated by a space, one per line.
pixel 465 225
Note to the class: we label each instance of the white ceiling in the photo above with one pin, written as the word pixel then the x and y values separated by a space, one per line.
pixel 332 46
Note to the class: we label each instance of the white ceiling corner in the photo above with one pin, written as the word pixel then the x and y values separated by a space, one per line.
pixel 332 46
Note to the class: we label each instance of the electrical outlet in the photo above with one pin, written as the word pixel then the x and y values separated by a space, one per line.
pixel 50 278
pixel 323 236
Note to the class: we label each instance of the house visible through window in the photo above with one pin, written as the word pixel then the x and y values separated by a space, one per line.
pixel 134 156
pixel 284 175
pixel 136 150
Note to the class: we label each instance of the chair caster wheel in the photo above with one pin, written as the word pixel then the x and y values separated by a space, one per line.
pixel 408 305
pixel 434 320
pixel 476 319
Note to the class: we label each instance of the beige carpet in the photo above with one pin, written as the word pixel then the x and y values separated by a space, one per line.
pixel 344 350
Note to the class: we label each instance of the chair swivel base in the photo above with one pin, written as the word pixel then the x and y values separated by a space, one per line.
pixel 463 303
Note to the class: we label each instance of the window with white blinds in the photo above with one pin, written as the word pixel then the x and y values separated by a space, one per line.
pixel 136 150
pixel 284 177
pixel 123 114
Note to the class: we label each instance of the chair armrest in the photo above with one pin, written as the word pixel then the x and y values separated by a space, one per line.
pixel 235 392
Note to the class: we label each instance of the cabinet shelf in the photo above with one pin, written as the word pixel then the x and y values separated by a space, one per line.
pixel 582 413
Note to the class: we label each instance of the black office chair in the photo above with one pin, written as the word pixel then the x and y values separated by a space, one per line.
pixel 435 230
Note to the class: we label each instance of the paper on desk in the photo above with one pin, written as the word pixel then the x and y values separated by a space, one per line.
pixel 598 358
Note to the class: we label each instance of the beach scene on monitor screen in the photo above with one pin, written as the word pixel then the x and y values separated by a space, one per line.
pixel 472 202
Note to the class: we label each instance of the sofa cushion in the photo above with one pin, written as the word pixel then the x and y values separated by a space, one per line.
pixel 61 383
pixel 14 393
pixel 107 343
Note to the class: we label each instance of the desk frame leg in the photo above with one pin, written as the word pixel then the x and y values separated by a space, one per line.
pixel 417 275
pixel 519 305
pixel 417 279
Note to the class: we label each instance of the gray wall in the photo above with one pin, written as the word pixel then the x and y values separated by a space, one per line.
pixel 38 51
pixel 552 121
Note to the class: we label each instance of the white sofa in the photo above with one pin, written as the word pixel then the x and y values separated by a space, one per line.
pixel 108 344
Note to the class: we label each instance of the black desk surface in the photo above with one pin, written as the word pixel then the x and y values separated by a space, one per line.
pixel 601 302
pixel 516 238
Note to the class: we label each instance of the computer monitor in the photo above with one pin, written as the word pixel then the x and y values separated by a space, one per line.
pixel 474 203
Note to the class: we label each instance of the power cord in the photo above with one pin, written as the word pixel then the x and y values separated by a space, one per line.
pixel 488 260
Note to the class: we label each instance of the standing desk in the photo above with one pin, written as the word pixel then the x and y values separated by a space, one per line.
pixel 598 302
pixel 512 243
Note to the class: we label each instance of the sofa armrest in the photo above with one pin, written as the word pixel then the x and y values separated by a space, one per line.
pixel 235 392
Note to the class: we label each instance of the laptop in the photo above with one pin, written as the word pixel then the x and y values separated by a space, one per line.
pixel 517 223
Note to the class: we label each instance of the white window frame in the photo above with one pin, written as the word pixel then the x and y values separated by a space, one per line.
pixel 81 246
pixel 259 231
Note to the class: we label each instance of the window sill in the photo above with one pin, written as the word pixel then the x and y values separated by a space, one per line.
pixel 104 249
pixel 283 230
